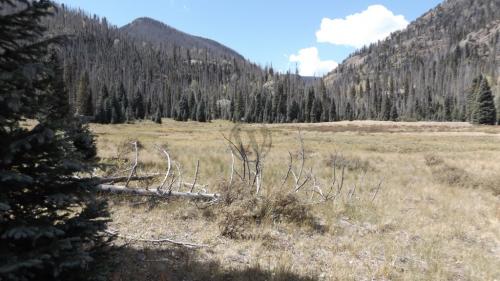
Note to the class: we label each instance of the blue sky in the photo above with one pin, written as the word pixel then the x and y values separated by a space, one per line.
pixel 312 35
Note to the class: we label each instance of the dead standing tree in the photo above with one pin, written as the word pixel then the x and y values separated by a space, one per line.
pixel 250 153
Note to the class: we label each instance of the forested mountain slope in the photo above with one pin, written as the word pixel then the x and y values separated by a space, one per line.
pixel 115 76
pixel 151 30
pixel 149 70
pixel 424 71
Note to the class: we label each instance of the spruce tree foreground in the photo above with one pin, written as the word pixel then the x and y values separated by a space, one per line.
pixel 50 224
pixel 484 111
pixel 480 103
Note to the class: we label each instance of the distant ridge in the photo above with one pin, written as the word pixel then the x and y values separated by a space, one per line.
pixel 156 32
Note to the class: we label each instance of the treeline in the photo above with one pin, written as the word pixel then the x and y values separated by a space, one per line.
pixel 115 78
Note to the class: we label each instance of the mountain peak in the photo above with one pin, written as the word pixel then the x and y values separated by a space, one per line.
pixel 157 32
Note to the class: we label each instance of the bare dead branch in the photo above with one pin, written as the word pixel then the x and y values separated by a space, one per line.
pixel 232 168
pixel 179 172
pixel 290 163
pixel 377 190
pixel 195 175
pixel 121 179
pixel 134 166
pixel 160 240
pixel 303 159
pixel 169 165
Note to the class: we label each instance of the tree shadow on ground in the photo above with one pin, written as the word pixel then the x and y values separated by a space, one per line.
pixel 176 264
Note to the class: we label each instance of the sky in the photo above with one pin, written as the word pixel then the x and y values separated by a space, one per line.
pixel 313 36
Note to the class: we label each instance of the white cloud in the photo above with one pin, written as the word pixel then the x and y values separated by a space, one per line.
pixel 373 24
pixel 310 64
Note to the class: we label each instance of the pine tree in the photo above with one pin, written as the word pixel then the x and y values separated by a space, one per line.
pixel 49 222
pixel 309 104
pixel 138 105
pixel 485 112
pixel 293 112
pixel 183 109
pixel 448 109
pixel 239 108
pixel 333 111
pixel 472 98
pixel 100 115
pixel 157 117
pixel 316 111
pixel 84 96
pixel 394 112
pixel 192 106
pixel 349 112
pixel 56 107
pixel 325 102
pixel 201 112
pixel 386 108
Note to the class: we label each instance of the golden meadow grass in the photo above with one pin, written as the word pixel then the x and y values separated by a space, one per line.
pixel 436 216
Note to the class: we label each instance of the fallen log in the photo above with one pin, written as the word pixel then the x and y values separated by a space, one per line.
pixel 122 179
pixel 155 192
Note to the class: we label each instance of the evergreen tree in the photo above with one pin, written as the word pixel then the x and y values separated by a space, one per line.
pixel 157 117
pixel 239 108
pixel 309 104
pixel 448 109
pixel 316 111
pixel 183 109
pixel 293 112
pixel 386 108
pixel 394 112
pixel 349 112
pixel 84 96
pixel 333 111
pixel 485 112
pixel 101 115
pixel 201 112
pixel 325 102
pixel 139 108
pixel 49 222
pixel 472 98
pixel 192 106
pixel 56 106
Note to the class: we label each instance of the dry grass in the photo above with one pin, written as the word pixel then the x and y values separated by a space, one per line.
pixel 437 216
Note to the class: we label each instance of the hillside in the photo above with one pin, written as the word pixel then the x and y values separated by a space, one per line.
pixel 425 69
pixel 148 70
pixel 151 30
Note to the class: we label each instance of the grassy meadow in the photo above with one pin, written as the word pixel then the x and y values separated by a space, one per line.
pixel 436 215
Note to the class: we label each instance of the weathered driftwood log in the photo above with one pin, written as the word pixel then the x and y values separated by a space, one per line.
pixel 155 192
